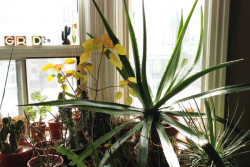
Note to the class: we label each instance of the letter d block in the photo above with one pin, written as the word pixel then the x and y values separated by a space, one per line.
pixel 9 40
pixel 37 41
pixel 20 40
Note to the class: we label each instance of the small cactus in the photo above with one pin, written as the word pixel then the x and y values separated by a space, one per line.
pixel 15 130
pixel 65 34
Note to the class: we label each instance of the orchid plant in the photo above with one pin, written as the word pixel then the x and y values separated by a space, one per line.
pixel 154 110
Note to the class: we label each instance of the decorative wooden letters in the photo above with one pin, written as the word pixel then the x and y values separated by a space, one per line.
pixel 20 40
pixel 9 40
pixel 37 40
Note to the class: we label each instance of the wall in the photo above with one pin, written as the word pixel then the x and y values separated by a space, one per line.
pixel 239 47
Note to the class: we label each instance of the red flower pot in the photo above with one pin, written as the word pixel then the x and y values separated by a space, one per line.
pixel 55 129
pixel 38 133
pixel 36 160
pixel 19 158
pixel 41 147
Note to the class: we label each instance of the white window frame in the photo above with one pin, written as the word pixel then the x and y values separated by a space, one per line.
pixel 216 25
pixel 21 53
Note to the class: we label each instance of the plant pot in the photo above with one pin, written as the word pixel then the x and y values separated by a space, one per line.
pixel 20 158
pixel 38 133
pixel 36 160
pixel 41 147
pixel 55 129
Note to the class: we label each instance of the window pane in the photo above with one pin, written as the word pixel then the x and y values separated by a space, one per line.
pixel 37 18
pixel 163 20
pixel 10 102
pixel 36 79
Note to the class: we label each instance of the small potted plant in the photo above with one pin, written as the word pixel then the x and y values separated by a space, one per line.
pixel 12 155
pixel 37 128
pixel 55 127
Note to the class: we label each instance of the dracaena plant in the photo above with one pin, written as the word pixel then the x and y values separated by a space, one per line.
pixel 153 111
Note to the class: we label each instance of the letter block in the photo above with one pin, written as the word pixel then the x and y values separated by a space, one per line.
pixel 20 40
pixel 9 40
pixel 37 41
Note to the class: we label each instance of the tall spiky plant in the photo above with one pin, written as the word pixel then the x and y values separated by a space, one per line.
pixel 153 111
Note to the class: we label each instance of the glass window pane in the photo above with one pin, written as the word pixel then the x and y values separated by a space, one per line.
pixel 37 18
pixel 36 79
pixel 10 102
pixel 163 20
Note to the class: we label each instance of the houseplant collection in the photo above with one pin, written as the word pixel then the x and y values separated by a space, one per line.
pixel 154 111
pixel 84 134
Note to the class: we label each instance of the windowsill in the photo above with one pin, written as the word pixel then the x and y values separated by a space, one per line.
pixel 20 52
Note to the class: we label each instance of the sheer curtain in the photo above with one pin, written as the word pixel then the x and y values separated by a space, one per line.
pixel 37 18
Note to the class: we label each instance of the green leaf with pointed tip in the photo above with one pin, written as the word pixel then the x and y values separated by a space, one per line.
pixel 145 85
pixel 182 85
pixel 183 129
pixel 71 155
pixel 87 103
pixel 167 147
pixel 145 100
pixel 178 74
pixel 209 122
pixel 173 60
pixel 128 70
pixel 119 142
pixel 180 113
pixel 108 110
pixel 143 143
pixel 198 54
pixel 104 138
pixel 217 91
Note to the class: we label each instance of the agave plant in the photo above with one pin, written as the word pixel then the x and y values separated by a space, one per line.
pixel 153 111
pixel 221 136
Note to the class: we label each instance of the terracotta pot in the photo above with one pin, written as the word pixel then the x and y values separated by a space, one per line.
pixel 36 132
pixel 41 147
pixel 55 129
pixel 36 160
pixel 19 158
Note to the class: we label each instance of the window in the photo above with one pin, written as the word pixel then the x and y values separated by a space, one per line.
pixel 36 18
pixel 162 29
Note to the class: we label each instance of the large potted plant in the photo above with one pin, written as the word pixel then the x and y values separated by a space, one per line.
pixel 12 155
pixel 153 111
pixel 37 128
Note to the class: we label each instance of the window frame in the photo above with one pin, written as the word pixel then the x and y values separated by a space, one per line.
pixel 21 53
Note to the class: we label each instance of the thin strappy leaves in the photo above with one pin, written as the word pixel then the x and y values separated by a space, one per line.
pixel 169 72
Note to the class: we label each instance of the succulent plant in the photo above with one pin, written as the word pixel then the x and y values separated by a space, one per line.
pixel 67 119
pixel 15 130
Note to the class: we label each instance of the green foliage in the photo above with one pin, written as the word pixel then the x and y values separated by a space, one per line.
pixel 14 130
pixel 174 80
pixel 221 139
pixel 32 111
pixel 71 155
